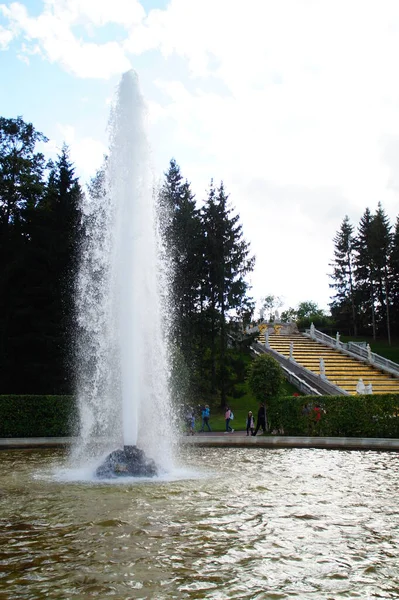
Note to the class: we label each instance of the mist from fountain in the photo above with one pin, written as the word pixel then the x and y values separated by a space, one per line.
pixel 122 364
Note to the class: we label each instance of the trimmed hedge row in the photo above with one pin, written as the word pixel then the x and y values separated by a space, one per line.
pixel 341 416
pixel 37 416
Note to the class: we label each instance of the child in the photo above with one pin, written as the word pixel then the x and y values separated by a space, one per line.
pixel 190 420
pixel 250 423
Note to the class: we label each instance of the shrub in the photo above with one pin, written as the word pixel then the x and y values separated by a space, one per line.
pixel 342 416
pixel 265 378
pixel 38 416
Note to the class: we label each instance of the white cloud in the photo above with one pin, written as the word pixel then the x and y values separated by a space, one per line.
pixel 97 12
pixel 51 33
pixel 86 153
pixel 6 37
pixel 295 104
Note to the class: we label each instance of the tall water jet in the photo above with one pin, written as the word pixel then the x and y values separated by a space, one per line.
pixel 122 368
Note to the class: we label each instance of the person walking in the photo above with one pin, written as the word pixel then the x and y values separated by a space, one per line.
pixel 227 416
pixel 190 420
pixel 205 418
pixel 250 423
pixel 261 419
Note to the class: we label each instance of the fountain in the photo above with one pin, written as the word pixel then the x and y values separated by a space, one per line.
pixel 122 369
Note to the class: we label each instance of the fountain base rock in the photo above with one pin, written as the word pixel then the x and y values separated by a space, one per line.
pixel 129 462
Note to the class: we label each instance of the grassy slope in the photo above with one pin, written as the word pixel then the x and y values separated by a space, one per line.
pixel 240 407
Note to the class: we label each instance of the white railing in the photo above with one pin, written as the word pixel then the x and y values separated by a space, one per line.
pixel 323 382
pixel 300 383
pixel 360 351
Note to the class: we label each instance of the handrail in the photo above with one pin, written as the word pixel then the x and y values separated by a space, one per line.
pixel 355 350
pixel 300 383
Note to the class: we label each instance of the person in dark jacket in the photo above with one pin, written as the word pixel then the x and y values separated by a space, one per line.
pixel 250 423
pixel 261 420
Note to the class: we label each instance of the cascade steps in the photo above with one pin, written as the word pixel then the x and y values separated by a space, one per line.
pixel 340 369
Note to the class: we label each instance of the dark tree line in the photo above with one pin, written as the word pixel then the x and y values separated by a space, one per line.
pixel 39 217
pixel 365 276
pixel 209 260
pixel 40 233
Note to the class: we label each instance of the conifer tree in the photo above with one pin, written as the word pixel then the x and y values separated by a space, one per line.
pixel 62 218
pixel 394 276
pixel 180 228
pixel 343 304
pixel 380 249
pixel 227 261
pixel 365 272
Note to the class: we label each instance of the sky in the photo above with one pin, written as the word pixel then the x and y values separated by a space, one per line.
pixel 293 104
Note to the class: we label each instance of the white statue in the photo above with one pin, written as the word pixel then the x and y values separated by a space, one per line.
pixel 262 313
pixel 267 337
pixel 312 331
pixel 337 338
pixel 276 316
pixel 322 367
pixel 360 387
pixel 368 389
pixel 369 357
pixel 291 350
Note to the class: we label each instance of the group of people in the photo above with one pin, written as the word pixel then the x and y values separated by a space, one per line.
pixel 204 412
pixel 261 422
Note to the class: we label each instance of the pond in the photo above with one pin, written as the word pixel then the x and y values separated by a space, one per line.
pixel 229 523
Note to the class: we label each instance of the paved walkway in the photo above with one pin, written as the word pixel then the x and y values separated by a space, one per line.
pixel 236 439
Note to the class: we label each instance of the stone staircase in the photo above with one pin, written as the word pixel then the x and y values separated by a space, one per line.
pixel 340 369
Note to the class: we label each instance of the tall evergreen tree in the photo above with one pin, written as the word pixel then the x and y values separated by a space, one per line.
pixel 380 249
pixel 180 227
pixel 59 243
pixel 227 261
pixel 394 277
pixel 343 305
pixel 365 273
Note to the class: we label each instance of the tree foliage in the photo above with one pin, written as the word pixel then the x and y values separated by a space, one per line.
pixel 365 274
pixel 39 218
pixel 265 378
pixel 306 313
pixel 209 260
pixel 208 257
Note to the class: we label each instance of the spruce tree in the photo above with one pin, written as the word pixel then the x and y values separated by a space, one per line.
pixel 365 272
pixel 227 261
pixel 380 249
pixel 343 305
pixel 180 228
pixel 394 277
pixel 62 217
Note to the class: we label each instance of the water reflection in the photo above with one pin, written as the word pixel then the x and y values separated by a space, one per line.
pixel 253 523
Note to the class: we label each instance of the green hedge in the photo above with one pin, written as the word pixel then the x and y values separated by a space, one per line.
pixel 37 416
pixel 342 416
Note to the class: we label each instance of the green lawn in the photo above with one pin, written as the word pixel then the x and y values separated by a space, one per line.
pixel 240 407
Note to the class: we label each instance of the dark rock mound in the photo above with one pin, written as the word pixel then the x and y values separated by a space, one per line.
pixel 129 462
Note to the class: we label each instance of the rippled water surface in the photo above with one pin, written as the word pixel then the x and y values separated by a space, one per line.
pixel 234 523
